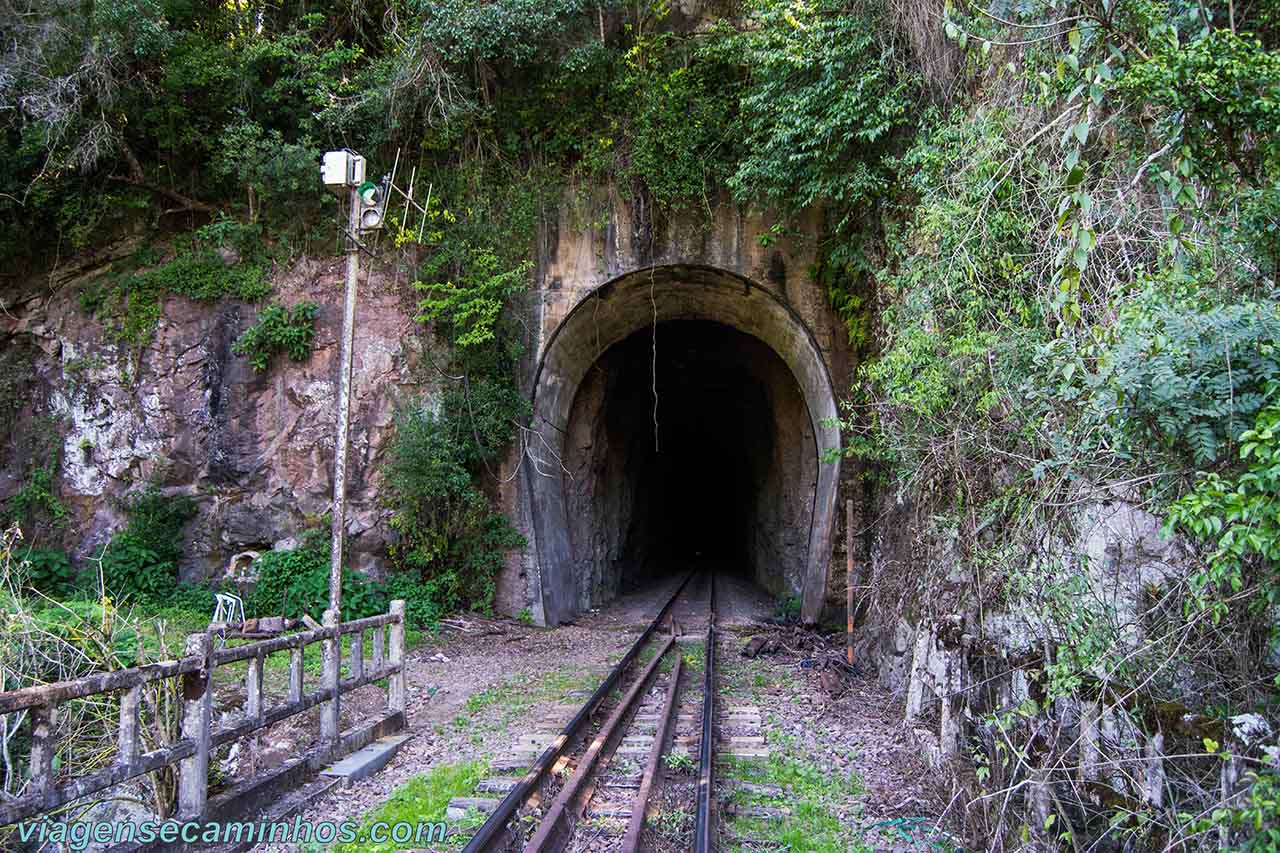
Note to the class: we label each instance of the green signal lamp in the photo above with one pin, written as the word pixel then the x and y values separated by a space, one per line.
pixel 373 203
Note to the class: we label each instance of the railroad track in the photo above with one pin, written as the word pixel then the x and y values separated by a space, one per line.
pixel 633 767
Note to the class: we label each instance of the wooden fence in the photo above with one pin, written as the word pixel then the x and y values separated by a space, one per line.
pixel 199 736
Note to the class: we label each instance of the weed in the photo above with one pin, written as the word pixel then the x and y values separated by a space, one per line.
pixel 420 801
pixel 279 329
pixel 815 799
pixel 679 762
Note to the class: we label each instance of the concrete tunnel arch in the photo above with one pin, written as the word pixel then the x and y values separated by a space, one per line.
pixel 615 311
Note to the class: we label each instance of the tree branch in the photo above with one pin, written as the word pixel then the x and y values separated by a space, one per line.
pixel 137 178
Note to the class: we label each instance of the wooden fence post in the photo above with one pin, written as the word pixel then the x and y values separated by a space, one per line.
pixel 127 740
pixel 332 655
pixel 357 654
pixel 43 747
pixel 197 712
pixel 295 674
pixel 396 683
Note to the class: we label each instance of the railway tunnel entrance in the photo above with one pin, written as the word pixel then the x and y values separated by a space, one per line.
pixel 689 446
pixel 724 472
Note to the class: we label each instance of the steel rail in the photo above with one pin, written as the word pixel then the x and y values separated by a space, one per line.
pixel 492 828
pixel 556 826
pixel 706 749
pixel 631 841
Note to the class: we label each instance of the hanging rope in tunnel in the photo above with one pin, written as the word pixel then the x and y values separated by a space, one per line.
pixel 653 370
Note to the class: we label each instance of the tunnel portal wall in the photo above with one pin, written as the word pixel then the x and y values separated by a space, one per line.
pixel 596 287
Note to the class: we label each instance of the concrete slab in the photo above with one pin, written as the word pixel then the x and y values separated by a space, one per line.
pixel 496 786
pixel 363 763
pixel 460 806
pixel 744 753
pixel 509 763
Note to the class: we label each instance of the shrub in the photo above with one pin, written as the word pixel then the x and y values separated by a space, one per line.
pixel 38 497
pixel 156 520
pixel 141 561
pixel 822 99
pixel 680 125
pixel 133 300
pixel 279 329
pixel 291 583
pixel 465 286
pixel 1185 374
pixel 48 570
pixel 422 600
pixel 453 541
pixel 132 570
pixel 1237 517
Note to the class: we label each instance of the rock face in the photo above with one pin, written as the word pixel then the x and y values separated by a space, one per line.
pixel 958 655
pixel 255 450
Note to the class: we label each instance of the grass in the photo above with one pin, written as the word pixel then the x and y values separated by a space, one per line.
pixel 421 800
pixel 812 795
pixel 517 696
pixel 755 678
pixel 695 656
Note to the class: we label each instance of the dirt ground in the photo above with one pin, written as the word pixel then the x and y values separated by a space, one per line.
pixel 478 687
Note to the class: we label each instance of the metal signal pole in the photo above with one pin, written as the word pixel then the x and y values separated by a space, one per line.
pixel 342 172
pixel 346 344
pixel 848 582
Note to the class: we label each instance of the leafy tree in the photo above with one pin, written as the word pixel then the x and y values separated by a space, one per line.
pixel 470 288
pixel 1239 517
pixel 822 99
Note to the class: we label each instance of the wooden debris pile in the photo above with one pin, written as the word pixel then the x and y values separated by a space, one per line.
pixel 812 652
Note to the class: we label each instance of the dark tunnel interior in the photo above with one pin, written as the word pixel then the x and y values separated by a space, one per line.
pixel 701 481
pixel 695 473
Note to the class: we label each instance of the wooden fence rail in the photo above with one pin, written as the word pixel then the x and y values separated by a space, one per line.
pixel 45 792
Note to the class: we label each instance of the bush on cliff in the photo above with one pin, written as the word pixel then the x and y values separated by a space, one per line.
pixel 291 583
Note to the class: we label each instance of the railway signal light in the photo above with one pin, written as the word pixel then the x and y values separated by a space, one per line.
pixel 373 204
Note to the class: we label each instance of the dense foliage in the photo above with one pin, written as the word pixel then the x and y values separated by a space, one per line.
pixel 140 563
pixel 452 542
pixel 296 582
pixel 1078 315
pixel 1052 230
